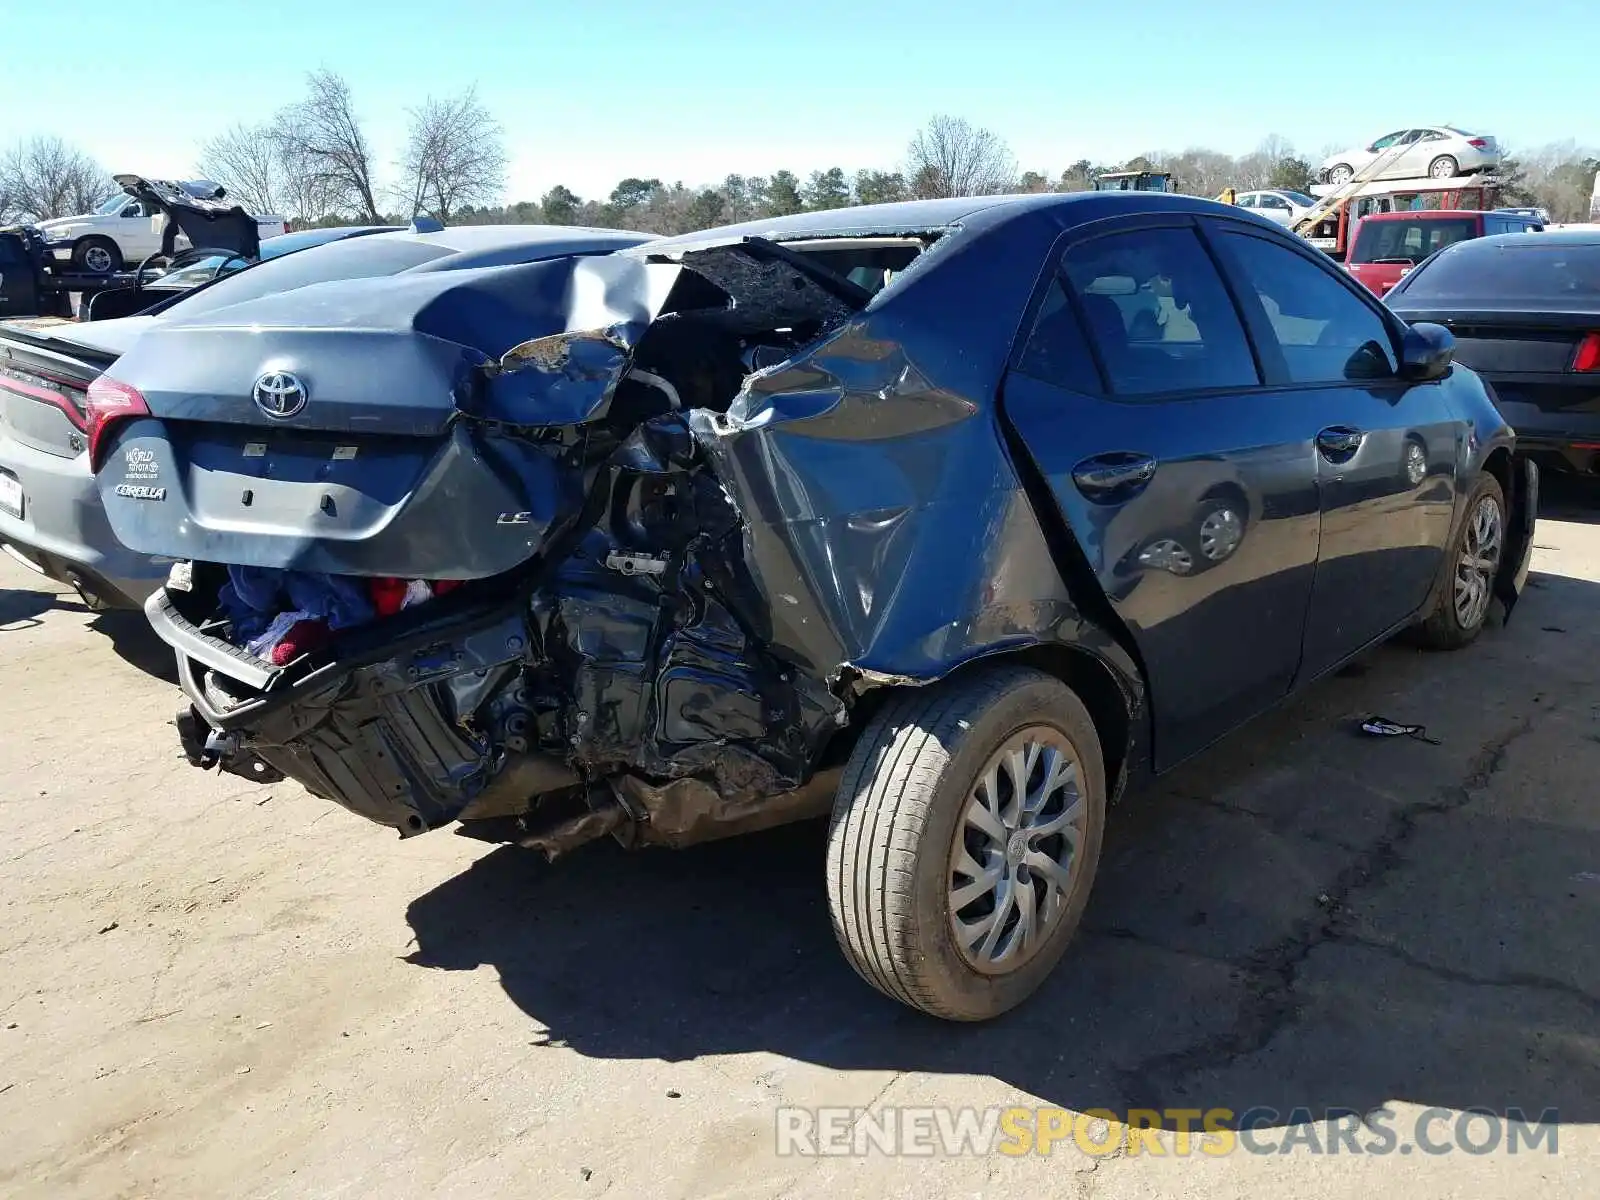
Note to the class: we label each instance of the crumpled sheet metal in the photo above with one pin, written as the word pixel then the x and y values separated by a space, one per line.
pixel 595 311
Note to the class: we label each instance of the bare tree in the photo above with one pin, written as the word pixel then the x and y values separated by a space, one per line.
pixel 455 156
pixel 951 157
pixel 45 177
pixel 249 162
pixel 321 142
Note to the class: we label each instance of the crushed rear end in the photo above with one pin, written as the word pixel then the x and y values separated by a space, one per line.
pixel 456 547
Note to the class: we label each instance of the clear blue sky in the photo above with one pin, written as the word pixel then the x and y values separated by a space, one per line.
pixel 695 89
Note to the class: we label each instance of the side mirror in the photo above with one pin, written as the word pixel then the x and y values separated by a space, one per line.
pixel 1426 351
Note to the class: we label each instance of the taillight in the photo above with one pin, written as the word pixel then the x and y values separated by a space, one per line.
pixel 47 389
pixel 109 401
pixel 1477 143
pixel 1588 356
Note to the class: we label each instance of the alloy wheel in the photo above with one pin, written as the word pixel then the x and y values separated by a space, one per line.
pixel 1015 850
pixel 1479 563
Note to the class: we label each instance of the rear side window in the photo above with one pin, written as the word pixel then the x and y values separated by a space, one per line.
pixel 1158 313
pixel 1410 240
pixel 1326 333
pixel 1544 268
pixel 1057 352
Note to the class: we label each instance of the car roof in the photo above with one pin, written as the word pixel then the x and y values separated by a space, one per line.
pixel 928 216
pixel 304 239
pixel 464 239
pixel 1549 237
pixel 1408 214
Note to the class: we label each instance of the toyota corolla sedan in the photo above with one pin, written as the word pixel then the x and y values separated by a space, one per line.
pixel 51 519
pixel 956 520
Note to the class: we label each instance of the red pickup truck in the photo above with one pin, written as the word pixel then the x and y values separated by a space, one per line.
pixel 1387 245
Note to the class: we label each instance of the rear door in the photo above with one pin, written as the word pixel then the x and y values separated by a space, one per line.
pixel 1190 487
pixel 1413 160
pixel 138 232
pixel 1386 449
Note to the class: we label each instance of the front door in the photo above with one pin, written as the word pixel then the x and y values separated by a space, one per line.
pixel 1189 486
pixel 1386 450
pixel 136 234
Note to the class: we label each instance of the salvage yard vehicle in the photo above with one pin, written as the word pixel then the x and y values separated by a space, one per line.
pixel 1525 309
pixel 51 519
pixel 132 226
pixel 1388 246
pixel 1282 205
pixel 1435 151
pixel 954 519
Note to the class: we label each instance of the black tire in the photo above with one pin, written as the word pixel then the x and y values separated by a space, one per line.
pixel 1443 628
pixel 892 841
pixel 99 255
pixel 1444 160
pixel 1341 173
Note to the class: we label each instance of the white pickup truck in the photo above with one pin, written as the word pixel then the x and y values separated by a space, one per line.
pixel 125 230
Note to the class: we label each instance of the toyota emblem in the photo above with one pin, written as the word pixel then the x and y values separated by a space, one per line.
pixel 279 395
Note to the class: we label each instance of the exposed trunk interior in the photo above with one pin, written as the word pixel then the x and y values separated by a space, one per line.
pixel 616 680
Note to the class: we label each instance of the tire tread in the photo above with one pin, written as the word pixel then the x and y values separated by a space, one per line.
pixel 882 808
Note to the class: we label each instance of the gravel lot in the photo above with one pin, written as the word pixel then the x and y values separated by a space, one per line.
pixel 209 988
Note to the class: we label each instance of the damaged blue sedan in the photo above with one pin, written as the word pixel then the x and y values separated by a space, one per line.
pixel 953 519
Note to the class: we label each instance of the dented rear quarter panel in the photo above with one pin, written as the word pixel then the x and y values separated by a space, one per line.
pixel 885 521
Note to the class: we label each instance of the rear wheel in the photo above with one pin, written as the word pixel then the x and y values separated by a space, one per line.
pixel 1462 606
pixel 964 841
pixel 99 255
pixel 1444 167
pixel 1341 173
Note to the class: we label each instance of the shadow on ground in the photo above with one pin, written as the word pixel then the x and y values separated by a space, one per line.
pixel 1301 917
pixel 21 608
pixel 136 643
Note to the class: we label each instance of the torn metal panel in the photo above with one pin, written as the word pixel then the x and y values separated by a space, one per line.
pixel 705 506
pixel 200 212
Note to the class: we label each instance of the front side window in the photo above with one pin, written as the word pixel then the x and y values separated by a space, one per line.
pixel 1158 313
pixel 1327 333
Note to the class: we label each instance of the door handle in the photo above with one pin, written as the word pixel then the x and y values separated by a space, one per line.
pixel 1114 477
pixel 1338 443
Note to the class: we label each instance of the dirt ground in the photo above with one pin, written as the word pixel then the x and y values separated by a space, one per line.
pixel 209 988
